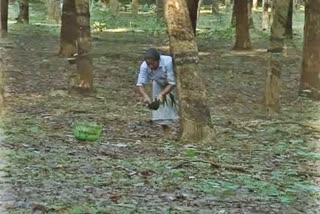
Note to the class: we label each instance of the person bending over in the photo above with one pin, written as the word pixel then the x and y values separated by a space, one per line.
pixel 158 69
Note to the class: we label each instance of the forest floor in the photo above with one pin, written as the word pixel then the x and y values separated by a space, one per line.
pixel 133 167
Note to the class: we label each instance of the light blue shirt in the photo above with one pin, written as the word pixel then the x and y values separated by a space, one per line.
pixel 164 75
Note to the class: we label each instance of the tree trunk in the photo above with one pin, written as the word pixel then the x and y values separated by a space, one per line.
pixel 265 14
pixel 273 84
pixel 23 16
pixel 160 5
pixel 250 17
pixel 289 32
pixel 310 79
pixel 215 7
pixel 84 62
pixel 69 28
pixel 135 7
pixel 192 6
pixel 280 10
pixel 53 11
pixel 114 7
pixel 273 81
pixel 196 125
pixel 4 17
pixel 255 4
pixel 242 25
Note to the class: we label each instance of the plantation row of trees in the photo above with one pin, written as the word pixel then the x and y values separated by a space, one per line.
pixel 181 18
pixel 54 7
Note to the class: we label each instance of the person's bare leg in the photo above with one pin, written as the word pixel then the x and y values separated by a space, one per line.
pixel 165 129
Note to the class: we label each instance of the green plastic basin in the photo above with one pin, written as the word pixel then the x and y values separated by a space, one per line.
pixel 87 132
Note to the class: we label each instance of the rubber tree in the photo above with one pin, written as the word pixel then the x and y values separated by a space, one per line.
pixel 69 29
pixel 192 6
pixel 23 16
pixel 310 77
pixel 196 125
pixel 289 30
pixel 4 17
pixel 84 62
pixel 242 25
pixel 135 7
pixel 273 79
pixel 75 42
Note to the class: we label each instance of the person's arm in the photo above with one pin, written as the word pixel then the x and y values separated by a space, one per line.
pixel 165 91
pixel 143 79
pixel 142 91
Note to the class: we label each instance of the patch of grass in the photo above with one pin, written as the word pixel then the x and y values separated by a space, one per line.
pixel 81 209
pixel 149 23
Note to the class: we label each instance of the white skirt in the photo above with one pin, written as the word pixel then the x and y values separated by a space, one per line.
pixel 167 112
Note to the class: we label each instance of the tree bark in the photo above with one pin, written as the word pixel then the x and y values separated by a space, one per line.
pixel 310 79
pixel 69 29
pixel 242 25
pixel 4 17
pixel 196 125
pixel 114 7
pixel 289 31
pixel 84 62
pixel 250 17
pixel 53 11
pixel 135 7
pixel 160 7
pixel 23 16
pixel 280 10
pixel 192 6
pixel 265 15
pixel 273 84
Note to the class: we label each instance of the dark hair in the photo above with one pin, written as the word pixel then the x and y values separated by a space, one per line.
pixel 152 54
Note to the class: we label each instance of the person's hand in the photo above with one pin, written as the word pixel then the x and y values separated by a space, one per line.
pixel 146 100
pixel 161 98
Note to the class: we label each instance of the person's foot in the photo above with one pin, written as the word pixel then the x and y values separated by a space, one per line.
pixel 165 129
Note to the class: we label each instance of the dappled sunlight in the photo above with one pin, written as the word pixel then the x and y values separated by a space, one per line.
pixel 119 30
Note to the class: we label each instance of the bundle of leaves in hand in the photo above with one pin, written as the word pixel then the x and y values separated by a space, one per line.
pixel 154 105
pixel 171 102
